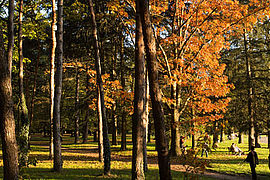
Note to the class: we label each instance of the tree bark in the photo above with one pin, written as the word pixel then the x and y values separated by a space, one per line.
pixel 146 123
pixel 77 100
pixel 106 142
pixel 175 134
pixel 85 127
pixel 24 120
pixel 123 84
pixel 52 71
pixel 32 105
pixel 100 131
pixel 155 94
pixel 86 120
pixel 58 163
pixel 138 129
pixel 221 132
pixel 149 131
pixel 113 110
pixel 7 122
pixel 251 138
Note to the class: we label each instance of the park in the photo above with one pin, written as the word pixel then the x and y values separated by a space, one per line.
pixel 135 89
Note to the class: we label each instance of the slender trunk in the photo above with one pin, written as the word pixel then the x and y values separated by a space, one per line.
pixel 85 127
pixel 114 120
pixel 193 141
pixel 175 135
pixel 106 142
pixel 221 132
pixel 215 135
pixel 155 94
pixel 24 121
pixel 239 138
pixel 146 122
pixel 77 100
pixel 123 84
pixel 257 144
pixel 193 137
pixel 52 70
pixel 124 132
pixel 251 138
pixel 34 86
pixel 86 120
pixel 138 129
pixel 7 122
pixel 113 110
pixel 100 131
pixel 149 131
pixel 58 163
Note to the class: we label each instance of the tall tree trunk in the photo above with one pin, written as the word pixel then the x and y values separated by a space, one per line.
pixel 106 142
pixel 113 110
pixel 24 121
pixel 193 137
pixel 77 115
pixel 7 122
pixel 32 105
pixel 124 132
pixel 221 131
pixel 58 163
pixel 175 135
pixel 155 94
pixel 123 84
pixel 257 144
pixel 149 131
pixel 138 129
pixel 215 134
pixel 52 69
pixel 86 120
pixel 100 130
pixel 251 139
pixel 114 121
pixel 240 137
pixel 85 127
pixel 146 122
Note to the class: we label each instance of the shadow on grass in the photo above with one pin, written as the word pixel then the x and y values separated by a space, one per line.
pixel 236 161
pixel 69 173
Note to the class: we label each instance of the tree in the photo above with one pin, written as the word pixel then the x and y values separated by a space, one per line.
pixel 58 163
pixel 77 101
pixel 155 94
pixel 138 129
pixel 52 71
pixel 24 120
pixel 251 138
pixel 106 142
pixel 9 144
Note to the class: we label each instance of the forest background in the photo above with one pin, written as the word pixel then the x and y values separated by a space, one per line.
pixel 207 62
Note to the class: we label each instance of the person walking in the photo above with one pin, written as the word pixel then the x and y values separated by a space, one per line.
pixel 252 159
pixel 205 146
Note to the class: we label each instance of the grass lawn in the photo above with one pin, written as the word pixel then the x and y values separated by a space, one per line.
pixel 222 161
pixel 81 161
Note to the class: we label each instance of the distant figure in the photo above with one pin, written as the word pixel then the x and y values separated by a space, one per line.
pixel 205 146
pixel 236 150
pixel 182 141
pixel 252 159
pixel 205 149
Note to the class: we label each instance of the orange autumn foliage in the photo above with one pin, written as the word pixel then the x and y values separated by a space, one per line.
pixel 190 36
pixel 113 92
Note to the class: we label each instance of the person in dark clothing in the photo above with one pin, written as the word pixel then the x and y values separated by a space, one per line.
pixel 182 141
pixel 252 159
